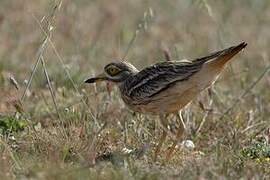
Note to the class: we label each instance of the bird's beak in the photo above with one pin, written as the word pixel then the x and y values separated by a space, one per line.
pixel 100 77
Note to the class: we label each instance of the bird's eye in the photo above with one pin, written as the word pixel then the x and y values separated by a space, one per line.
pixel 113 71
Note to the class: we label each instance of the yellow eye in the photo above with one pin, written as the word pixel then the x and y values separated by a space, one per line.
pixel 113 71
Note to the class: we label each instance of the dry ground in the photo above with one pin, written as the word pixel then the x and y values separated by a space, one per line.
pixel 87 135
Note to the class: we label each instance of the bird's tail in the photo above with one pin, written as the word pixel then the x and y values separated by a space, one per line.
pixel 220 58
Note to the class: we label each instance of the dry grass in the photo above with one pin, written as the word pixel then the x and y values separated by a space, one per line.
pixel 85 137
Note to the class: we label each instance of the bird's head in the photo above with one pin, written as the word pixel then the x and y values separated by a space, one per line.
pixel 115 72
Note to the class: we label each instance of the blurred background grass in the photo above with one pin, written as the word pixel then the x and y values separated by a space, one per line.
pixel 88 35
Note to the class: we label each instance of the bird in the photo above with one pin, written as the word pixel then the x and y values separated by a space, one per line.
pixel 166 87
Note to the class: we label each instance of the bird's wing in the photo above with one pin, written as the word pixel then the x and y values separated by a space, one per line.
pixel 158 77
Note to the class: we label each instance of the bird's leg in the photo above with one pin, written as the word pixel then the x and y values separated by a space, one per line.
pixel 179 134
pixel 164 123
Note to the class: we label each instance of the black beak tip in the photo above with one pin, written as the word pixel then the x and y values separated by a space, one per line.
pixel 91 80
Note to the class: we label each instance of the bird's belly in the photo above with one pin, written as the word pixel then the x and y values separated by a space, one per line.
pixel 175 100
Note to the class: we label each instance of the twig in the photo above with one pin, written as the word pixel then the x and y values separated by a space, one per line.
pixel 40 52
pixel 204 118
pixel 50 87
pixel 131 42
pixel 167 54
pixel 41 48
pixel 14 82
pixel 61 60
pixel 251 86
pixel 253 126
pixel 142 25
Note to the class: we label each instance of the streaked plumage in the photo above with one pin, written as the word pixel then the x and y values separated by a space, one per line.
pixel 166 87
